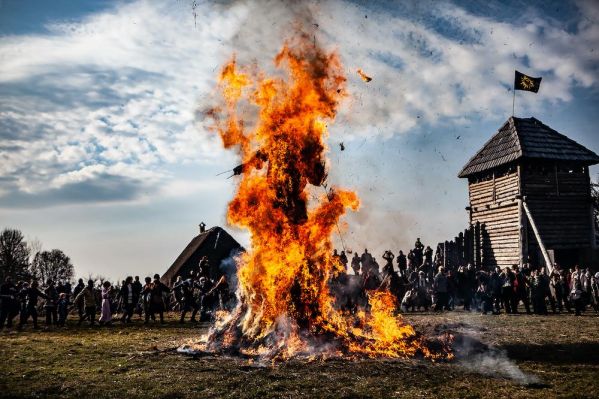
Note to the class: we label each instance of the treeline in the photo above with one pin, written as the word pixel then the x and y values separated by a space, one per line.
pixel 22 260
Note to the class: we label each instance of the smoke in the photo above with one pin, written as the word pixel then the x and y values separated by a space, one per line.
pixel 476 356
pixel 228 267
pixel 496 363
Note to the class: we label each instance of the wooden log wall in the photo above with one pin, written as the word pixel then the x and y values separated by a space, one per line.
pixel 461 250
pixel 558 196
pixel 494 205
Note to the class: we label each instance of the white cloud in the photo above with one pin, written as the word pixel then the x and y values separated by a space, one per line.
pixel 115 94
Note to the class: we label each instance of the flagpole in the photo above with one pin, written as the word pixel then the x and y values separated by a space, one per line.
pixel 513 101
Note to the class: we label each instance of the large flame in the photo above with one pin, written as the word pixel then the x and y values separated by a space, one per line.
pixel 286 307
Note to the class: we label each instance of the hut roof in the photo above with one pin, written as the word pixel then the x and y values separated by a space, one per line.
pixel 526 138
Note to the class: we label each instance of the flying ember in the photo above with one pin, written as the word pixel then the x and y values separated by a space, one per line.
pixel 288 301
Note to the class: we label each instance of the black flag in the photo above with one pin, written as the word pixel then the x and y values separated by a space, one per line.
pixel 526 83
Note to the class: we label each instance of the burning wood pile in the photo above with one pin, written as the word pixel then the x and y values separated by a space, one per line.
pixel 286 307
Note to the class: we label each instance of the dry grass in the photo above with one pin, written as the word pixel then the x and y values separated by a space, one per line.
pixel 126 362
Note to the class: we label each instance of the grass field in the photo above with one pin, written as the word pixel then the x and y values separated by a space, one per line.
pixel 535 356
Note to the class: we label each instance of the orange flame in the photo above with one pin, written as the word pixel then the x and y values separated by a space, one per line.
pixel 286 307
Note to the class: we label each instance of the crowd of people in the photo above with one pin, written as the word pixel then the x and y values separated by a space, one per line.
pixel 198 294
pixel 416 279
pixel 420 282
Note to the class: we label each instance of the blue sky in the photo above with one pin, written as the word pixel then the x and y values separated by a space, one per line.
pixel 105 155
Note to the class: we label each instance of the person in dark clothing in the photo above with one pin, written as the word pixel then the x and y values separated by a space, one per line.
pixel 68 290
pixel 388 256
pixel 9 307
pixel 344 261
pixel 428 255
pixel 451 289
pixel 559 290
pixel 137 289
pixel 418 252
pixel 366 261
pixel 470 281
pixel 62 307
pixel 188 302
pixel 207 299
pixel 402 263
pixel 507 289
pixel 50 305
pixel 78 288
pixel 483 294
pixel 441 288
pixel 128 300
pixel 157 290
pixel 521 286
pixel 355 264
pixel 495 290
pixel 576 290
pixel 538 290
pixel 146 294
pixel 31 294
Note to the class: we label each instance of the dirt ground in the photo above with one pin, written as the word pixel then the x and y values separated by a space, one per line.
pixel 515 356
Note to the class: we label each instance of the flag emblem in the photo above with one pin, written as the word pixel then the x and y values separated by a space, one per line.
pixel 526 83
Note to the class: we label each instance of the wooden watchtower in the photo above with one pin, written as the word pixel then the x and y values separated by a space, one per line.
pixel 530 197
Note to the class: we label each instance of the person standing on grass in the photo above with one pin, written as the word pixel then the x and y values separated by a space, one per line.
pixel 106 310
pixel 9 308
pixel 521 290
pixel 31 294
pixel 440 286
pixel 50 305
pixel 127 299
pixel 62 307
pixel 147 300
pixel 78 288
pixel 87 300
pixel 507 289
pixel 137 288
pixel 68 290
pixel 157 297
pixel 576 290
pixel 188 302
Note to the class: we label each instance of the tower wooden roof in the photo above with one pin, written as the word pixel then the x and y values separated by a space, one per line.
pixel 526 138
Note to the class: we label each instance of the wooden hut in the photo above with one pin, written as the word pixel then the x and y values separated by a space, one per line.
pixel 530 197
pixel 215 243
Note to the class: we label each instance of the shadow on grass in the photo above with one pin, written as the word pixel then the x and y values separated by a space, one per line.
pixel 576 353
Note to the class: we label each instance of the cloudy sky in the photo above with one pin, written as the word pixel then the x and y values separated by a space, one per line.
pixel 104 155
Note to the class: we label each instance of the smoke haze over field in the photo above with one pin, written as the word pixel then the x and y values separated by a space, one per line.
pixel 105 154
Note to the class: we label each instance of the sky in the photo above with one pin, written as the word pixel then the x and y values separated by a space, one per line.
pixel 104 152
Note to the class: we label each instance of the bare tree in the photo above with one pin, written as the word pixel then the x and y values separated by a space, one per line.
pixel 14 255
pixel 35 246
pixel 52 265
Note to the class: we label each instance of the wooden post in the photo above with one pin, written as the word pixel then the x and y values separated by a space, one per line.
pixel 548 262
pixel 593 232
pixel 523 230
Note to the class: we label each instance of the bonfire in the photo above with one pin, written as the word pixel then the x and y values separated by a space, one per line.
pixel 286 308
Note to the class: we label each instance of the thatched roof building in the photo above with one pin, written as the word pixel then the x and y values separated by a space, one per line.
pixel 215 243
